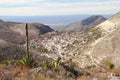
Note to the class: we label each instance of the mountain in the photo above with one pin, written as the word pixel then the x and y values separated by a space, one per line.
pixel 91 21
pixel 89 47
pixel 35 29
pixel 94 51
pixel 107 47
pixel 90 54
pixel 14 32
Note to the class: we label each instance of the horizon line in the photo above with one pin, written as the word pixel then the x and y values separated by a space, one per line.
pixel 50 15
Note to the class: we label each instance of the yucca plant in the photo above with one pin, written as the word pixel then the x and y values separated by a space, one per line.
pixel 46 65
pixel 57 64
pixel 27 40
pixel 28 61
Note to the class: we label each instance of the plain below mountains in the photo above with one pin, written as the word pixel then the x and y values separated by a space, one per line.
pixel 91 21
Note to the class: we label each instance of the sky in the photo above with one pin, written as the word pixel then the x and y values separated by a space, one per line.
pixel 57 7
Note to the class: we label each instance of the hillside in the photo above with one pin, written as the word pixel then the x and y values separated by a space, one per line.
pixel 108 45
pixel 89 42
pixel 96 46
pixel 12 37
pixel 14 32
pixel 91 21
pixel 91 54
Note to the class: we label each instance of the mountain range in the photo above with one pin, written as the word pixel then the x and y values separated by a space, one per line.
pixel 91 46
pixel 91 21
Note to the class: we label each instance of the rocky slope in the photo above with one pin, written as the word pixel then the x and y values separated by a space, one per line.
pixel 87 47
pixel 91 21
pixel 107 47
pixel 94 50
pixel 12 35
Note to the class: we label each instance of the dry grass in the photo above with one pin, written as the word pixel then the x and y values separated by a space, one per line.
pixel 11 72
pixel 83 78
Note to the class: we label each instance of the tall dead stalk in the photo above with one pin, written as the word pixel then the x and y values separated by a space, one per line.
pixel 27 40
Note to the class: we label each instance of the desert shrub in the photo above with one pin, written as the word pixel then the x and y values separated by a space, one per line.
pixel 10 62
pixel 45 64
pixel 6 62
pixel 62 54
pixel 53 65
pixel 57 64
pixel 28 61
pixel 15 62
pixel 110 65
pixel 43 50
pixel 70 66
pixel 32 47
pixel 75 42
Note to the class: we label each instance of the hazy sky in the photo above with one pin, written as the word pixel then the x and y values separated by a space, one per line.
pixel 57 7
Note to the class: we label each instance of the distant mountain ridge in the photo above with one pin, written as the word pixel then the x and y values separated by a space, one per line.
pixel 84 24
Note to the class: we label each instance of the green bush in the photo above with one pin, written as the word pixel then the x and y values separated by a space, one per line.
pixel 70 66
pixel 110 65
pixel 6 62
pixel 45 64
pixel 54 65
pixel 28 62
pixel 57 64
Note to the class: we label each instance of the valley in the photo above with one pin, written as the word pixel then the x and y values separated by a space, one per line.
pixel 85 50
